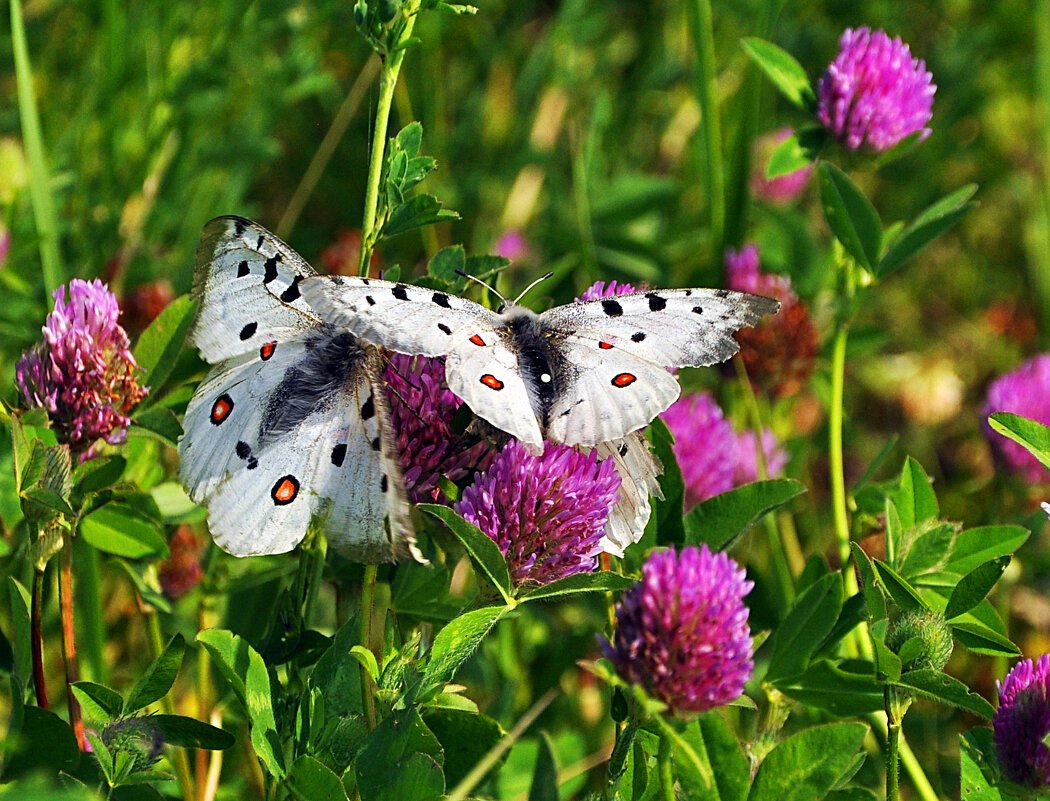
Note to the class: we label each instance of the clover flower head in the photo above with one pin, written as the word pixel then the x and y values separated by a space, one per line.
pixel 83 373
pixel 681 632
pixel 705 447
pixel 512 245
pixel 422 412
pixel 181 572
pixel 1024 391
pixel 546 513
pixel 774 457
pixel 1022 721
pixel 874 94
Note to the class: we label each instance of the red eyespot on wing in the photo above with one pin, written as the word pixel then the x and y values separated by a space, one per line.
pixel 491 382
pixel 605 346
pixel 285 490
pixel 624 380
pixel 266 351
pixel 221 409
pixel 477 340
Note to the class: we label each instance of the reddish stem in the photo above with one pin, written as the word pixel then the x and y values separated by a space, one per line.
pixel 69 648
pixel 37 639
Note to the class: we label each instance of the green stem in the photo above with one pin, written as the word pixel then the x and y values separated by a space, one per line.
pixel 838 478
pixel 39 188
pixel 663 767
pixel 908 760
pixel 182 760
pixel 893 736
pixel 371 223
pixel 368 595
pixel 37 638
pixel 701 27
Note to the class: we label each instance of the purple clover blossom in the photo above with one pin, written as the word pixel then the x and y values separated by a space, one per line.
pixel 512 245
pixel 705 447
pixel 774 457
pixel 743 274
pixel 874 94
pixel 681 632
pixel 1022 721
pixel 422 411
pixel 83 373
pixel 600 289
pixel 1024 391
pixel 546 513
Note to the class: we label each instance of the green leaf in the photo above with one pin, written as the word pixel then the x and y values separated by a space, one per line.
pixel 974 586
pixel 902 593
pixel 809 764
pixel 400 761
pixel 190 733
pixel 983 640
pixel 410 138
pixel 446 262
pixel 842 692
pixel 416 212
pixel 667 513
pixel 809 620
pixel 98 702
pixel 975 546
pixel 20 604
pixel 852 794
pixel 310 780
pixel 465 737
pixel 457 641
pixel 158 423
pixel 159 676
pixel 159 346
pixel 1033 436
pixel 119 529
pixel 733 775
pixel 929 225
pixel 99 474
pixel 580 583
pixel 483 552
pixel 976 750
pixel 850 215
pixel 942 687
pixel 888 665
pixel 721 519
pixel 799 150
pixel 693 769
pixel 336 673
pixel 44 743
pixel 869 584
pixel 544 785
pixel 927 551
pixel 244 669
pixel 916 501
pixel 783 70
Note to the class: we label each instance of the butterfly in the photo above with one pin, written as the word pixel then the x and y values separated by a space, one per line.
pixel 292 423
pixel 580 374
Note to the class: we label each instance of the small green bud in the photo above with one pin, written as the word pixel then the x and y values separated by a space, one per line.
pixel 923 640
pixel 388 10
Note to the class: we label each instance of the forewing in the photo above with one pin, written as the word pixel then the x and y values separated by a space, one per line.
pixel 248 282
pixel 605 394
pixel 639 471
pixel 670 328
pixel 483 370
pixel 401 317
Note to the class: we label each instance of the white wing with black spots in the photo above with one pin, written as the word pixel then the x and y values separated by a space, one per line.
pixel 639 472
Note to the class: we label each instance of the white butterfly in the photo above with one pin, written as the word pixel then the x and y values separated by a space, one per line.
pixel 581 374
pixel 292 421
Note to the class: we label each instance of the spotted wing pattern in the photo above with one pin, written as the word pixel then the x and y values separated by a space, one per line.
pixel 290 424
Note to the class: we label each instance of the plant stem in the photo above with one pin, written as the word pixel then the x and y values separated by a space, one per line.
pixel 69 647
pixel 838 478
pixel 908 759
pixel 893 737
pixel 701 27
pixel 370 225
pixel 368 595
pixel 182 761
pixel 663 767
pixel 37 638
pixel 39 190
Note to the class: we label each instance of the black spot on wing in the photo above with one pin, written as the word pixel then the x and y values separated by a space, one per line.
pixel 292 292
pixel 371 300
pixel 243 450
pixel 612 308
pixel 339 454
pixel 689 293
pixel 445 329
pixel 637 336
pixel 400 292
pixel 271 268
pixel 384 483
pixel 238 227
pixel 622 449
pixel 248 331
pixel 376 444
pixel 243 269
pixel 441 299
pixel 721 293
pixel 656 303
pixel 368 409
pixel 698 310
pixel 259 242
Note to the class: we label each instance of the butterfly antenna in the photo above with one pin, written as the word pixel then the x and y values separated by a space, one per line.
pixel 478 280
pixel 530 286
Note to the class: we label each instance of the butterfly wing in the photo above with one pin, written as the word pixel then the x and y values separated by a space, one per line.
pixel 482 366
pixel 639 471
pixel 616 351
pixel 290 424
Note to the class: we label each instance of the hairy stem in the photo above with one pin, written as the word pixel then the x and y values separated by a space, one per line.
pixel 37 638
pixel 69 647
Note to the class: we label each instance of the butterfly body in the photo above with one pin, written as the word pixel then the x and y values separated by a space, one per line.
pixel 580 374
pixel 290 426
